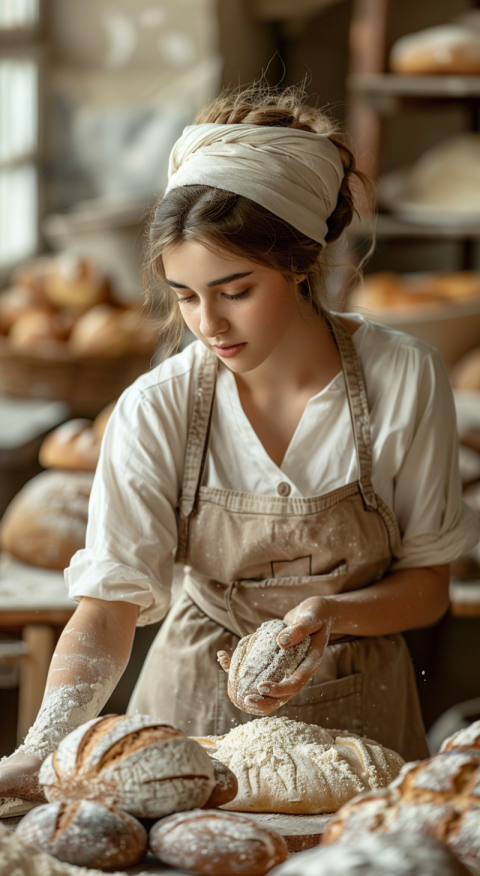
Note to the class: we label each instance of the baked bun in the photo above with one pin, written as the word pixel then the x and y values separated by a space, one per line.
pixel 74 283
pixel 465 374
pixel 217 844
pixel 258 658
pixel 17 301
pixel 288 766
pixel 134 762
pixel 439 796
pixel 45 524
pixel 448 48
pixel 85 833
pixel 100 332
pixel 35 328
pixel 75 445
pixel 405 855
pixel 466 738
pixel 226 786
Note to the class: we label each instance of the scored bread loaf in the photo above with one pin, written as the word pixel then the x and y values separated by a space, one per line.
pixel 85 833
pixel 217 844
pixel 288 766
pixel 439 796
pixel 75 445
pixel 258 658
pixel 135 762
pixel 46 523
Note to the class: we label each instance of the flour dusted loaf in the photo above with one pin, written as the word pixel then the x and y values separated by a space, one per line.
pixel 226 786
pixel 135 762
pixel 467 738
pixel 258 658
pixel 406 855
pixel 46 522
pixel 439 796
pixel 86 833
pixel 217 844
pixel 288 766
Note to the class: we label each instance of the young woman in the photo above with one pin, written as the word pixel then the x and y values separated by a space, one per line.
pixel 301 464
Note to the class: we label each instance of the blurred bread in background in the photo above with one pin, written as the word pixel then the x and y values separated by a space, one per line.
pixel 387 290
pixel 452 49
pixel 75 444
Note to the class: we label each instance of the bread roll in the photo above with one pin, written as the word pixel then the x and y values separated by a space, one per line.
pixel 37 329
pixel 407 854
pixel 217 844
pixel 226 786
pixel 74 283
pixel 31 274
pixel 17 301
pixel 458 285
pixel 446 178
pixel 465 374
pixel 131 761
pixel 467 738
pixel 257 659
pixel 75 445
pixel 85 833
pixel 448 48
pixel 46 522
pixel 288 766
pixel 100 332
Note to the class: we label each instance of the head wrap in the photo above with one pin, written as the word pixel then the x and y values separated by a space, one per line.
pixel 294 174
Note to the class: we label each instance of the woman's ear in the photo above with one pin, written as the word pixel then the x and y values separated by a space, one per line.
pixel 299 278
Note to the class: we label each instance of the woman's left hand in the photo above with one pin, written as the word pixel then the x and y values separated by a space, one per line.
pixel 311 618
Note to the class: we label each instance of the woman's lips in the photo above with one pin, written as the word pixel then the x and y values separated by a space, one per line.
pixel 228 352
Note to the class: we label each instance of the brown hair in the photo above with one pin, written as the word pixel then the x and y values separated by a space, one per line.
pixel 223 220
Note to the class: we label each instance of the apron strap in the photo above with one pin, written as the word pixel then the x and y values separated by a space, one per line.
pixel 357 400
pixel 197 446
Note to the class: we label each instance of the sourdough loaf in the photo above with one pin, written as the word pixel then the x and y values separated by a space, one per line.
pixel 288 766
pixel 75 445
pixel 135 762
pixel 226 786
pixel 467 738
pixel 258 658
pixel 217 844
pixel 85 833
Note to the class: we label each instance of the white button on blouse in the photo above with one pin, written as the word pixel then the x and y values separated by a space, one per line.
pixel 132 530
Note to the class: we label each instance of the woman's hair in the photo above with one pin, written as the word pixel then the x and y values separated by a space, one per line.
pixel 220 219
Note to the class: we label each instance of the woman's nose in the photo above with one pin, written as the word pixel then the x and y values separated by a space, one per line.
pixel 212 322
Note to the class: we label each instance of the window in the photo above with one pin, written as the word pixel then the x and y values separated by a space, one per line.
pixel 20 65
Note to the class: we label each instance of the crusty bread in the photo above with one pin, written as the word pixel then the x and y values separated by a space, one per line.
pixel 134 762
pixel 34 328
pixel 439 796
pixel 448 48
pixel 217 844
pixel 226 786
pixel 258 658
pixel 86 833
pixel 288 766
pixel 46 522
pixel 75 283
pixel 467 738
pixel 75 445
pixel 100 332
pixel 17 301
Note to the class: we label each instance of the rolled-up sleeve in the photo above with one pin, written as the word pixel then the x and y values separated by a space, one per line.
pixel 132 531
pixel 435 523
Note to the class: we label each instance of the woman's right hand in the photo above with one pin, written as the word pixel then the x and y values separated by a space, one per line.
pixel 19 777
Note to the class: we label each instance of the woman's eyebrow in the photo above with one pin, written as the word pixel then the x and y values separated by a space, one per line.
pixel 229 279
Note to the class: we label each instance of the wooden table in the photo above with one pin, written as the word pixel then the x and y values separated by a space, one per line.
pixel 35 603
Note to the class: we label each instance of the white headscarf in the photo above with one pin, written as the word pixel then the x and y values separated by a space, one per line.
pixel 294 174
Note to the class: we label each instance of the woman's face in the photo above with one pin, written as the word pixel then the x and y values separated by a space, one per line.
pixel 240 310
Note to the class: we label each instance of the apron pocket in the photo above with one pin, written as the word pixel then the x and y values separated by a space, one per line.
pixel 335 705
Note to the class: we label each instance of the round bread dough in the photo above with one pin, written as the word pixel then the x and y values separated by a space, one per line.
pixel 404 855
pixel 258 658
pixel 134 762
pixel 46 522
pixel 217 844
pixel 288 766
pixel 85 833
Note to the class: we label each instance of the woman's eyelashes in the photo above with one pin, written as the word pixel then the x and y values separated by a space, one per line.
pixel 190 298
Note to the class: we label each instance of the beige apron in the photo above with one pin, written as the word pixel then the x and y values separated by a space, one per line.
pixel 250 558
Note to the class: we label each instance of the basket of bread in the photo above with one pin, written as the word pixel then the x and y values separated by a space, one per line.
pixel 64 336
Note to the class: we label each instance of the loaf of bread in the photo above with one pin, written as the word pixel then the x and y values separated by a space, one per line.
pixel 18 301
pixel 226 786
pixel 467 738
pixel 35 327
pixel 134 762
pixel 86 833
pixel 439 796
pixel 74 283
pixel 46 522
pixel 258 658
pixel 465 374
pixel 76 444
pixel 217 844
pixel 446 178
pixel 100 332
pixel 407 854
pixel 448 48
pixel 288 766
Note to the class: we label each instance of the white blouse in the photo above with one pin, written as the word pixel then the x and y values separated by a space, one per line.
pixel 132 533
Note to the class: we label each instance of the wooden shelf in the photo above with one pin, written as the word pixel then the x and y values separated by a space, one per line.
pixel 389 225
pixel 387 86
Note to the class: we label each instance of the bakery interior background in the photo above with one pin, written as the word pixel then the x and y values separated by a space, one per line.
pixel 92 97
